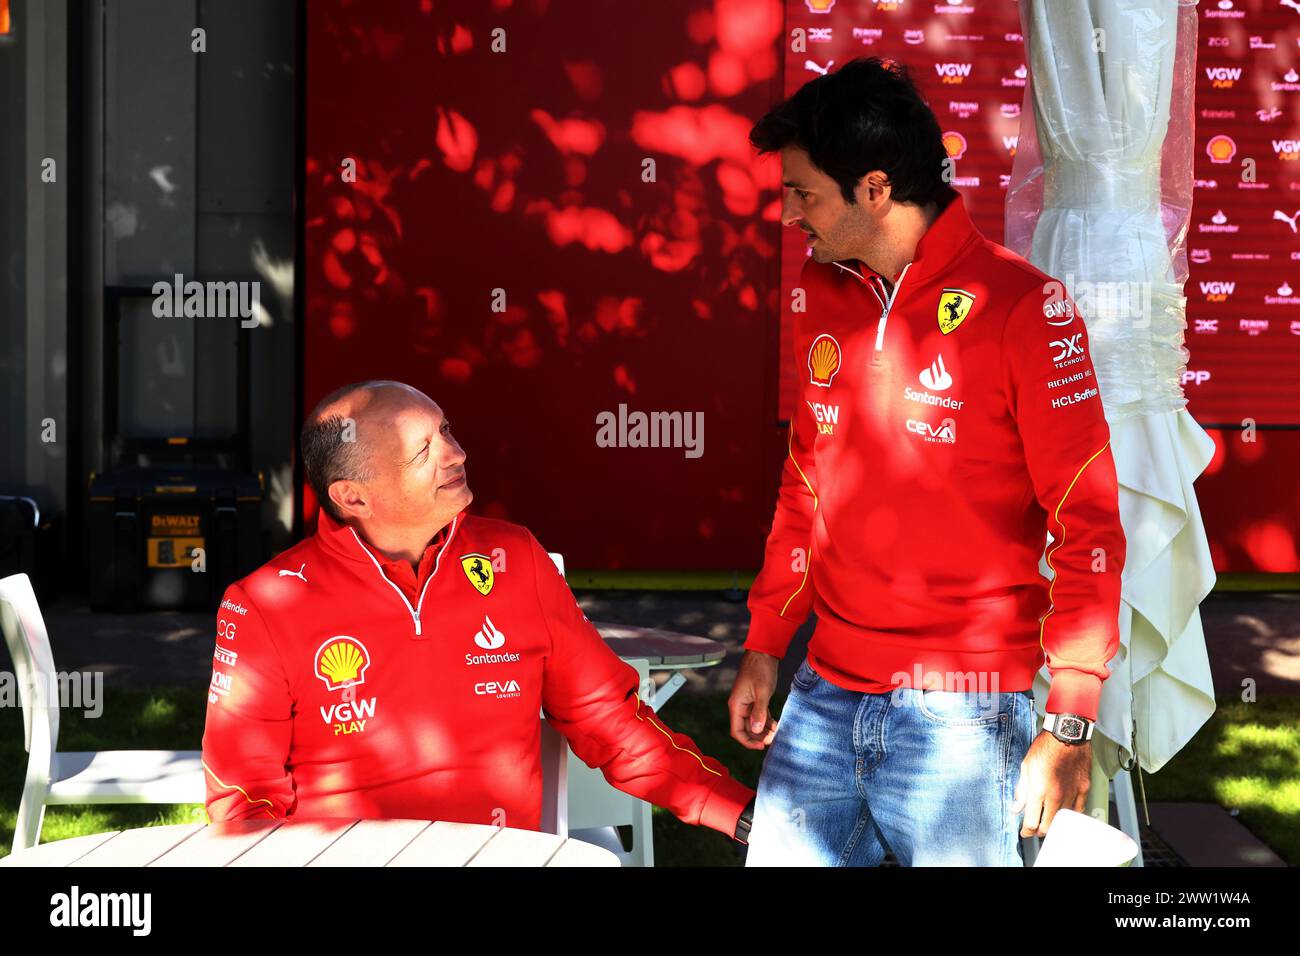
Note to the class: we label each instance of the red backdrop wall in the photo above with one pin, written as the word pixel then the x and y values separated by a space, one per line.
pixel 517 178
pixel 526 171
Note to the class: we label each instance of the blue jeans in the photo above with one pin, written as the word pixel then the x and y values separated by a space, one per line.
pixel 929 775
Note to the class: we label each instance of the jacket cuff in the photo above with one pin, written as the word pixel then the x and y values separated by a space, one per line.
pixel 1074 692
pixel 769 633
pixel 724 805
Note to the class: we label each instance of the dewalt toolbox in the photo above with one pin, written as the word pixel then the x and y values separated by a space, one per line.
pixel 171 537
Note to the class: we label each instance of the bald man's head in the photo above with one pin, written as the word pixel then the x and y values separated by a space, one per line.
pixel 382 449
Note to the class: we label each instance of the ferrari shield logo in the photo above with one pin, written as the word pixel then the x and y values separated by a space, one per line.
pixel 478 568
pixel 954 306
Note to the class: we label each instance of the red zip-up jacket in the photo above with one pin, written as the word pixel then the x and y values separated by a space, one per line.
pixel 334 694
pixel 944 426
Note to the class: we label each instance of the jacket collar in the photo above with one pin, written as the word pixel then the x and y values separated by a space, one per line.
pixel 340 540
pixel 951 233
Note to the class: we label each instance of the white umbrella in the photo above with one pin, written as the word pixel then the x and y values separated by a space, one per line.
pixel 1086 206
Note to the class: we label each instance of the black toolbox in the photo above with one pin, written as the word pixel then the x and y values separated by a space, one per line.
pixel 171 536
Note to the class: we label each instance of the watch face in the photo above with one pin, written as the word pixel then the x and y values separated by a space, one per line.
pixel 1071 728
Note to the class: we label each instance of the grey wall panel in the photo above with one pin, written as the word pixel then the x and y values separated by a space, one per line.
pixel 246 107
pixel 245 210
pixel 150 128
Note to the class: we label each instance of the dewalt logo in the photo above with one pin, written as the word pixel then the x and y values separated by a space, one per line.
pixel 174 524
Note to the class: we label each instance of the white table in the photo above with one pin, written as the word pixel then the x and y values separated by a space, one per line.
pixel 295 843
pixel 662 651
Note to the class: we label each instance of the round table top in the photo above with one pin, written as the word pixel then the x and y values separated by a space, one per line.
pixel 293 842
pixel 663 650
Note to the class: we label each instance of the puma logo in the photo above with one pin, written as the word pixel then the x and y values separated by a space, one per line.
pixel 1280 216
pixel 294 574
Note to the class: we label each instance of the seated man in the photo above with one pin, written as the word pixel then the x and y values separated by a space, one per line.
pixel 394 664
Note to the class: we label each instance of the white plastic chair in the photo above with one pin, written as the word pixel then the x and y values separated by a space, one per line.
pixel 555 764
pixel 594 808
pixel 107 776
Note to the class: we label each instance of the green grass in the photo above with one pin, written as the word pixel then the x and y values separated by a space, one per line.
pixel 704 718
pixel 170 719
pixel 1247 757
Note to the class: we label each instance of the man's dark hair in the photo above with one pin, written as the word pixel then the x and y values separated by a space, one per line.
pixel 327 453
pixel 866 115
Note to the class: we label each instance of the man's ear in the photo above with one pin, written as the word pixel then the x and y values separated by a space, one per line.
pixel 874 189
pixel 350 499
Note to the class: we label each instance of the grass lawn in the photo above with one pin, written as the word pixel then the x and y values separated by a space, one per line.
pixel 1247 757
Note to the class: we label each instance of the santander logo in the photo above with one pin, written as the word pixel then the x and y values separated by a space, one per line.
pixel 488 637
pixel 936 377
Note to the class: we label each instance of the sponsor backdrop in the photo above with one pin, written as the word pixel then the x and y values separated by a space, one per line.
pixel 558 230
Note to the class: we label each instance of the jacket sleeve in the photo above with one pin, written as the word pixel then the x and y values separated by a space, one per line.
pixel 1052 390
pixel 590 696
pixel 249 721
pixel 782 593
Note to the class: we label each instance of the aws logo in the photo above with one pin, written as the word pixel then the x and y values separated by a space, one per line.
pixel 1058 312
pixel 823 360
pixel 342 662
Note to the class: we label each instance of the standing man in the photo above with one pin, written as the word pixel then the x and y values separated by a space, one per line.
pixel 948 419
pixel 394 664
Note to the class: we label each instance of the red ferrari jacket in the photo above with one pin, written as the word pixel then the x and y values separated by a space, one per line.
pixel 333 694
pixel 944 426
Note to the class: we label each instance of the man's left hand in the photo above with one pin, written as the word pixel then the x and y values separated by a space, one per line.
pixel 1052 775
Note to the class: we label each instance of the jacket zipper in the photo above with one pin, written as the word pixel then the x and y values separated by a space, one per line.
pixel 887 303
pixel 415 611
pixel 884 316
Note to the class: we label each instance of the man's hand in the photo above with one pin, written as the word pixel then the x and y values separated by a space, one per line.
pixel 751 724
pixel 1052 775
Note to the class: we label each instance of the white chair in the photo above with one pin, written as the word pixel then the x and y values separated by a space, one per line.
pixel 594 808
pixel 108 776
pixel 555 764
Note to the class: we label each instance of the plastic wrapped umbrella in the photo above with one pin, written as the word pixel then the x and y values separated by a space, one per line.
pixel 1100 198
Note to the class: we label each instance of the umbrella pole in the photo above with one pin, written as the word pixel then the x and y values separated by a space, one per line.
pixel 1098 805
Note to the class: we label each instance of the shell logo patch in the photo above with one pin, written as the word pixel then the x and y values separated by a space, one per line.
pixel 823 360
pixel 478 568
pixel 954 306
pixel 342 662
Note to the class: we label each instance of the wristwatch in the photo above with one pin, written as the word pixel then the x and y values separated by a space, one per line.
pixel 1068 728
pixel 744 823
